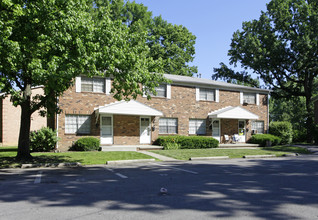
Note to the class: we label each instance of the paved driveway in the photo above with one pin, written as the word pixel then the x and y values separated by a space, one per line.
pixel 279 188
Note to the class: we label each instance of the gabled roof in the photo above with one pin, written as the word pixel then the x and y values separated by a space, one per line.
pixel 187 80
pixel 232 113
pixel 131 107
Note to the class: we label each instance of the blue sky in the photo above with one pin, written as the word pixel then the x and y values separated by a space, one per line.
pixel 213 22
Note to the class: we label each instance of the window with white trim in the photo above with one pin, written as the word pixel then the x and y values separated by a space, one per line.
pixel 77 124
pixel 249 98
pixel 92 84
pixel 207 94
pixel 168 126
pixel 161 91
pixel 258 127
pixel 197 126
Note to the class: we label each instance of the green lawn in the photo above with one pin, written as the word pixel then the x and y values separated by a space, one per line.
pixel 185 154
pixel 7 157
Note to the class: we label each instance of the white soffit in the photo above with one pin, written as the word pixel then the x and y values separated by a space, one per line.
pixel 131 107
pixel 233 113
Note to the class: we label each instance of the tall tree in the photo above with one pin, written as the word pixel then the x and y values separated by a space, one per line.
pixel 230 76
pixel 291 109
pixel 281 47
pixel 51 42
pixel 174 44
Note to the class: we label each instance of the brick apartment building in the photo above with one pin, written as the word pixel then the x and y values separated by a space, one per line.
pixel 187 106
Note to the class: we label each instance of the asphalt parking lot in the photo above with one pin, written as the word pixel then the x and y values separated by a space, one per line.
pixel 275 188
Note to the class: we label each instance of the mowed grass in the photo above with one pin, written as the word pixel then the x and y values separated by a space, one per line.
pixel 185 154
pixel 7 157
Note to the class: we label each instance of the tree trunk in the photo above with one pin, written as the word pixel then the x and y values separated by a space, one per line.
pixel 309 120
pixel 24 136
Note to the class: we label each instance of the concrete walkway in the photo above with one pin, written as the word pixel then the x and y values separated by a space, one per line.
pixel 158 156
pixel 130 147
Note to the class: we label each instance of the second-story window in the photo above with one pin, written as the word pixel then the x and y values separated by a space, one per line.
pixel 161 91
pixel 249 98
pixel 92 84
pixel 207 94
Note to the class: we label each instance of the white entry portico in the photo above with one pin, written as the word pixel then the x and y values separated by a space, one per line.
pixel 105 116
pixel 237 113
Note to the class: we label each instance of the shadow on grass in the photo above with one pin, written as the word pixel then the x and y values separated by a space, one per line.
pixel 8 149
pixel 11 162
pixel 290 149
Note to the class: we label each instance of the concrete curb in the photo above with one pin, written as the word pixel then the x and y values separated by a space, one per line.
pixel 115 162
pixel 258 156
pixel 290 155
pixel 209 158
pixel 76 164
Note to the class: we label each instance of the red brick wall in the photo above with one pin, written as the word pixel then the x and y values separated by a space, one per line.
pixel 126 129
pixel 182 105
pixel 11 121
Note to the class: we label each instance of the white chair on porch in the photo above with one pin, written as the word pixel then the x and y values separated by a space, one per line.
pixel 235 138
pixel 227 138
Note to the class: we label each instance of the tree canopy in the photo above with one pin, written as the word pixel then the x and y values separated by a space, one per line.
pixel 281 48
pixel 230 76
pixel 174 44
pixel 51 42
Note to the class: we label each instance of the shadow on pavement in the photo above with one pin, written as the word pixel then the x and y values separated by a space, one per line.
pixel 261 187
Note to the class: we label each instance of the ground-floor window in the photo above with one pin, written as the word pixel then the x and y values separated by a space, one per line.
pixel 168 126
pixel 197 126
pixel 77 124
pixel 258 127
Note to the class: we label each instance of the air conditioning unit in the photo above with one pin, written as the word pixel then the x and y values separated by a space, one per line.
pixel 245 101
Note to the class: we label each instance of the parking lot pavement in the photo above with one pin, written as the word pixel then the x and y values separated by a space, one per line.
pixel 273 188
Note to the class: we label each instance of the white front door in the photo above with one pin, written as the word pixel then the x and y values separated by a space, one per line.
pixel 241 130
pixel 216 129
pixel 145 132
pixel 106 130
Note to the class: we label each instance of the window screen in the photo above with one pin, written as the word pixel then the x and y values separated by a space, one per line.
pixel 80 124
pixel 168 126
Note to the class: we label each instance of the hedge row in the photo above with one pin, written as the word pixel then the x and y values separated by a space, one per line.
pixel 186 142
pixel 261 139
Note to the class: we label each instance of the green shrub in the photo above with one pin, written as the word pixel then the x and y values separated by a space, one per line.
pixel 172 146
pixel 299 136
pixel 187 142
pixel 261 139
pixel 282 129
pixel 43 140
pixel 86 144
